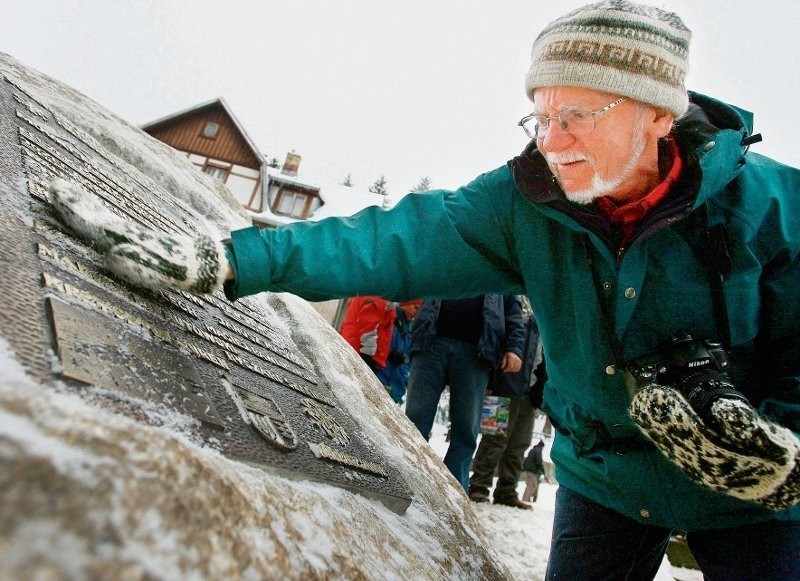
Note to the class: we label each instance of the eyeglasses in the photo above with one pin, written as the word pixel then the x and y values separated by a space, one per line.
pixel 573 120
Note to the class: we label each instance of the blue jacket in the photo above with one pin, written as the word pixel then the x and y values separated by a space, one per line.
pixel 511 231
pixel 503 327
pixel 394 375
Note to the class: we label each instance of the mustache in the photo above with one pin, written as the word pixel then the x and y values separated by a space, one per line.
pixel 562 157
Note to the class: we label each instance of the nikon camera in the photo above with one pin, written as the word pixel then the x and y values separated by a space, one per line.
pixel 697 369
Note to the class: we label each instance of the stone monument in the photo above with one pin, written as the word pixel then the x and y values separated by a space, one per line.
pixel 162 434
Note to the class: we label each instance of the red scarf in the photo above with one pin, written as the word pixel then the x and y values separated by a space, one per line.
pixel 627 216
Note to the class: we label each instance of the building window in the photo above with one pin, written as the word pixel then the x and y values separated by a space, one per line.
pixel 291 203
pixel 210 130
pixel 216 172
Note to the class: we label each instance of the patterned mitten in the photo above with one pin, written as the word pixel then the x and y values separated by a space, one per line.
pixel 734 450
pixel 143 257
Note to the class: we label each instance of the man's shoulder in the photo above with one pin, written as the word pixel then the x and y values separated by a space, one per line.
pixel 762 198
pixel 755 162
pixel 765 181
pixel 492 181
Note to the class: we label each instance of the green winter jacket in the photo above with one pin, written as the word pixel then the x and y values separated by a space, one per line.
pixel 511 231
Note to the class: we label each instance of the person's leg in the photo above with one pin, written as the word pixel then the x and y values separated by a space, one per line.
pixel 520 433
pixel 397 391
pixel 591 541
pixel 490 449
pixel 531 487
pixel 425 385
pixel 468 377
pixel 763 551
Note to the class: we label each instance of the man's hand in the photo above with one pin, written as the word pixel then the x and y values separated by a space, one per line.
pixel 734 450
pixel 511 362
pixel 141 256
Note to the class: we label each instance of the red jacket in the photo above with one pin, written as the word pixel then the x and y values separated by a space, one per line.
pixel 364 314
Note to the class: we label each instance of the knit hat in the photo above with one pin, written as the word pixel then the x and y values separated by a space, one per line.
pixel 616 47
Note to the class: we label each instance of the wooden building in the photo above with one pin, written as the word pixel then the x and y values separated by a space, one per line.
pixel 215 141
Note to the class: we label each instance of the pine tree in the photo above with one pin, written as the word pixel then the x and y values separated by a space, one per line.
pixel 379 187
pixel 423 185
pixel 348 181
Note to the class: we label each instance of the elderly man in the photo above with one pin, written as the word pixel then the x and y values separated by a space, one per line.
pixel 662 260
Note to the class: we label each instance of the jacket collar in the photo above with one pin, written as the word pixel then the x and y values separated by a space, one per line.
pixel 710 136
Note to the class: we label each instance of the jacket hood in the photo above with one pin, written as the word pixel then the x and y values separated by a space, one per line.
pixel 714 138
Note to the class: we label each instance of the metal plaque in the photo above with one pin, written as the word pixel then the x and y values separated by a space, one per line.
pixel 257 397
pixel 96 350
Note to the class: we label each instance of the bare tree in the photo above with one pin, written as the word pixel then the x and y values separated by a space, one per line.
pixel 423 185
pixel 348 181
pixel 379 187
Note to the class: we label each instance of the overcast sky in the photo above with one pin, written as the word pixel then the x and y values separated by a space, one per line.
pixel 405 89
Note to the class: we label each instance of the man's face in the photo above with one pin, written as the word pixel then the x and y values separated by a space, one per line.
pixel 618 158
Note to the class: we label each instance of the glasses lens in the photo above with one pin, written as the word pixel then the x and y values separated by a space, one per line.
pixel 577 120
pixel 529 126
pixel 535 126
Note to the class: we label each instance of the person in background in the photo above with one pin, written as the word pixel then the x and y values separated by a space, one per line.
pixel 661 256
pixel 455 343
pixel 533 472
pixel 368 326
pixel 502 453
pixel 394 375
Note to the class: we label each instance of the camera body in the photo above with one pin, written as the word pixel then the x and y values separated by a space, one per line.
pixel 697 369
pixel 683 356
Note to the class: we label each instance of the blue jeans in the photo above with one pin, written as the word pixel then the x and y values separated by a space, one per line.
pixel 453 363
pixel 594 542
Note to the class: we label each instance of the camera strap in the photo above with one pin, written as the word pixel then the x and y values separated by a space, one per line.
pixel 608 323
pixel 716 257
pixel 713 253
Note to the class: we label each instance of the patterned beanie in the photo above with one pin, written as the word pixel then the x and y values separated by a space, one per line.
pixel 616 47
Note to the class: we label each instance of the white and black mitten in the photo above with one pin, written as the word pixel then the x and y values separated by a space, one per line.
pixel 141 256
pixel 732 449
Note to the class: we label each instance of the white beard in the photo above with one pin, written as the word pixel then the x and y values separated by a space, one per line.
pixel 598 189
pixel 602 187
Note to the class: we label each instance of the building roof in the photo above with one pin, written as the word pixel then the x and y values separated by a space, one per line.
pixel 218 102
pixel 336 199
pixel 275 174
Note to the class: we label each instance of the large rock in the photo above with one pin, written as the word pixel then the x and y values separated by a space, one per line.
pixel 158 435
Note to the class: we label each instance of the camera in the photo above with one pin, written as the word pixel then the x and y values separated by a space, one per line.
pixel 697 369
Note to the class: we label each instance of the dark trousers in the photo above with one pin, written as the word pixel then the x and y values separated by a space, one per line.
pixel 591 541
pixel 455 364
pixel 504 452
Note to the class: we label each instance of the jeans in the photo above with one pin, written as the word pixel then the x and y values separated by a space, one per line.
pixel 594 542
pixel 504 452
pixel 453 363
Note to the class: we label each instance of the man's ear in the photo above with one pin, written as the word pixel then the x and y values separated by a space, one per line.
pixel 661 123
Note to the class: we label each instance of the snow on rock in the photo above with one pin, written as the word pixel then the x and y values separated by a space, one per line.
pixel 89 493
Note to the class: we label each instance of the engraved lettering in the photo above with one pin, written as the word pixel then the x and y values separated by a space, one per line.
pixel 328 453
pixel 202 353
pixel 284 381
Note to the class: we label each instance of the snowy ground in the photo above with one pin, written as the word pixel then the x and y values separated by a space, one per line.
pixel 522 537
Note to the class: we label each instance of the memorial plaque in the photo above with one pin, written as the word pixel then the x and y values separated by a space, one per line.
pixel 254 394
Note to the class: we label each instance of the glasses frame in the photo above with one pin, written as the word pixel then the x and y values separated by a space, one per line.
pixel 538 126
